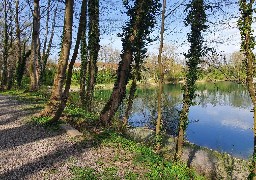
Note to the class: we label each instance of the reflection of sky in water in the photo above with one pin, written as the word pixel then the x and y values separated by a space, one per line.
pixel 220 120
pixel 222 128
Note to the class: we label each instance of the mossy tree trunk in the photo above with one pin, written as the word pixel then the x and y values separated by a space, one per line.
pixel 196 18
pixel 142 19
pixel 247 47
pixel 93 49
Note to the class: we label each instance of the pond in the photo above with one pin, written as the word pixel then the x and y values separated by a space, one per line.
pixel 220 118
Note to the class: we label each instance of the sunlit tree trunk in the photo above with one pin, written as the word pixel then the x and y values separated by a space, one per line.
pixel 196 18
pixel 65 94
pixel 60 76
pixel 160 81
pixel 93 49
pixel 141 19
pixel 35 49
pixel 247 47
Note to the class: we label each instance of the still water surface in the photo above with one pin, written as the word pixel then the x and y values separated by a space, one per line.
pixel 220 119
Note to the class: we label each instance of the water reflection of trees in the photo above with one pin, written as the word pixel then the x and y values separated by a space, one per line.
pixel 224 94
pixel 217 94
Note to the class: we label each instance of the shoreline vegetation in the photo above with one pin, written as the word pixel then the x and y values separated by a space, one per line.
pixel 209 163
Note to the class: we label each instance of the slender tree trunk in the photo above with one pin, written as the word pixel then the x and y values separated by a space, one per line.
pixel 65 95
pixel 35 49
pixel 247 46
pixel 93 48
pixel 60 76
pixel 130 101
pixel 182 124
pixel 84 62
pixel 197 19
pixel 5 49
pixel 19 46
pixel 47 48
pixel 160 81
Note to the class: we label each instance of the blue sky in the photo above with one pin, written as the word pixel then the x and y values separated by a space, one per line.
pixel 222 34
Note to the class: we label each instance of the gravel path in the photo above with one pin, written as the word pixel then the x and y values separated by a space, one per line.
pixel 28 151
pixel 31 152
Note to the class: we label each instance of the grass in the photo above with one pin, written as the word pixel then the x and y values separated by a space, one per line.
pixel 147 163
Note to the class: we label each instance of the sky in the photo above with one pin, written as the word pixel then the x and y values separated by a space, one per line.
pixel 222 33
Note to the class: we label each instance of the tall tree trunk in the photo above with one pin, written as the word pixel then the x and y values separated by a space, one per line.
pixel 65 94
pixel 19 46
pixel 84 62
pixel 5 49
pixel 196 18
pixel 35 49
pixel 247 47
pixel 134 36
pixel 93 48
pixel 160 81
pixel 60 76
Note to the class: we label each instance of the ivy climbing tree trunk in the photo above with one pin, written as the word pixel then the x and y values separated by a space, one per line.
pixel 60 76
pixel 84 63
pixel 142 20
pixel 247 47
pixel 160 82
pixel 196 18
pixel 35 49
pixel 93 49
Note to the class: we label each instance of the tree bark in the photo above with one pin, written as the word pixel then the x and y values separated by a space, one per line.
pixel 93 48
pixel 247 46
pixel 160 82
pixel 84 62
pixel 60 76
pixel 35 49
pixel 19 46
pixel 65 94
pixel 133 34
pixel 5 49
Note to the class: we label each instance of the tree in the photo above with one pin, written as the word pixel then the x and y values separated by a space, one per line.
pixel 47 47
pixel 84 62
pixel 5 48
pixel 65 94
pixel 135 35
pixel 93 49
pixel 35 48
pixel 247 46
pixel 59 79
pixel 160 82
pixel 196 18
